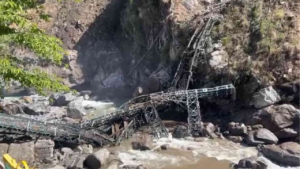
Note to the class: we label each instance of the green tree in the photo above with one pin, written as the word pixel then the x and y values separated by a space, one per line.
pixel 17 30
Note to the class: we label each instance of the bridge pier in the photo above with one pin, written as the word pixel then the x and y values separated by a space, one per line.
pixel 152 118
pixel 194 114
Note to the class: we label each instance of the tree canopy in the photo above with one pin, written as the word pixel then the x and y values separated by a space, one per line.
pixel 18 31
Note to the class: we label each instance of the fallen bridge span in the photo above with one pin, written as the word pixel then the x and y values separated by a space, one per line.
pixel 113 127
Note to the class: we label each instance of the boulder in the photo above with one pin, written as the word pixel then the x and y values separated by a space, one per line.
pixel 287 153
pixel 35 109
pixel 102 155
pixel 251 163
pixel 61 99
pixel 75 109
pixel 91 162
pixel 43 150
pixel 265 97
pixel 286 133
pixel 275 117
pixel 266 136
pixel 209 130
pixel 289 91
pixel 139 146
pixel 237 129
pixel 66 150
pixel 22 151
pixel 180 132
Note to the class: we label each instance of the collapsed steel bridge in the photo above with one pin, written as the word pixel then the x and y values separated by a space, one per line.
pixel 140 111
pixel 113 127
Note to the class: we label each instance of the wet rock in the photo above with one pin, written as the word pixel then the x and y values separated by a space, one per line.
pixel 91 162
pixel 43 150
pixel 286 133
pixel 286 154
pixel 35 109
pixel 266 136
pixel 180 132
pixel 209 130
pixel 237 129
pixel 164 147
pixel 75 109
pixel 139 146
pixel 275 117
pixel 251 163
pixel 61 99
pixel 102 155
pixel 235 139
pixel 265 97
pixel 22 151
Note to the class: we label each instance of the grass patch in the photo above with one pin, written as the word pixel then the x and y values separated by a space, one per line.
pixel 249 30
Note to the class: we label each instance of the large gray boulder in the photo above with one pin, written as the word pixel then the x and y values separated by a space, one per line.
pixel 75 109
pixel 22 151
pixel 43 150
pixel 287 153
pixel 275 117
pixel 251 163
pixel 266 136
pixel 261 136
pixel 61 99
pixel 265 97
pixel 180 132
pixel 35 109
pixel 286 133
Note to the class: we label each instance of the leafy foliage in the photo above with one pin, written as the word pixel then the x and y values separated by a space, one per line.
pixel 17 30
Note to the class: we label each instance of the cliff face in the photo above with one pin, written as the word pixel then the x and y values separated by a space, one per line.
pixel 118 44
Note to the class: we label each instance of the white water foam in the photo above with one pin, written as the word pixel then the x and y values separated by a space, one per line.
pixel 220 149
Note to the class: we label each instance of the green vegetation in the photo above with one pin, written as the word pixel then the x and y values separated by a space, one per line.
pixel 18 31
pixel 258 37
